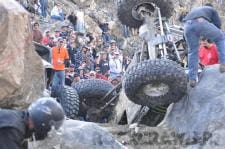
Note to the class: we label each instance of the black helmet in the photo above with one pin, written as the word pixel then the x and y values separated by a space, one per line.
pixel 45 113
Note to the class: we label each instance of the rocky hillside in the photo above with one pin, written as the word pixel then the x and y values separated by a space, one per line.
pixel 188 4
pixel 106 11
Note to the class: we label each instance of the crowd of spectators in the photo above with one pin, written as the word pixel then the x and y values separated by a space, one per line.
pixel 91 56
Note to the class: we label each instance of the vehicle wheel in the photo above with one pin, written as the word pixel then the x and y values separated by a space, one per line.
pixel 56 91
pixel 127 10
pixel 157 82
pixel 69 100
pixel 90 92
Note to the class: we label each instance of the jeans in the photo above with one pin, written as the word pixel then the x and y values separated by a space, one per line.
pixel 44 8
pixel 80 27
pixel 193 30
pixel 106 37
pixel 60 18
pixel 58 81
pixel 114 74
pixel 126 31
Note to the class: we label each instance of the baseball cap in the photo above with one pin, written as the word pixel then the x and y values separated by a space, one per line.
pixel 60 39
pixel 92 72
pixel 97 69
pixel 116 53
pixel 113 41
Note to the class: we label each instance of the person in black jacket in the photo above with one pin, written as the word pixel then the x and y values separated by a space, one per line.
pixel 106 36
pixel 37 121
pixel 73 19
pixel 104 64
pixel 202 21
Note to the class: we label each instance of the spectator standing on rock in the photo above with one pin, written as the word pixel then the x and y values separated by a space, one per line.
pixel 84 70
pixel 37 121
pixel 37 34
pixel 78 59
pixel 72 49
pixel 69 75
pixel 56 35
pixel 208 54
pixel 105 33
pixel 104 64
pixel 114 48
pixel 64 32
pixel 115 65
pixel 99 75
pixel 80 22
pixel 202 21
pixel 44 8
pixel 87 57
pixel 57 13
pixel 60 60
pixel 73 19
pixel 36 5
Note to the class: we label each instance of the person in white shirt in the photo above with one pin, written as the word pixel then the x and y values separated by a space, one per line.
pixel 80 22
pixel 57 13
pixel 115 65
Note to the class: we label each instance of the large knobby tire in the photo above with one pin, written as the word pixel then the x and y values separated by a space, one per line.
pixel 69 100
pixel 157 82
pixel 92 88
pixel 126 7
pixel 90 92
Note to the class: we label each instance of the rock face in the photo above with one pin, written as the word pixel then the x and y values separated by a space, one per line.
pixel 79 135
pixel 21 71
pixel 203 111
pixel 187 5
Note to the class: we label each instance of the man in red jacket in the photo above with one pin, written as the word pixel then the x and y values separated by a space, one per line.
pixel 208 54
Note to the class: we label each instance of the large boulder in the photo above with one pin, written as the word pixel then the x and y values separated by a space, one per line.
pixel 202 111
pixel 79 135
pixel 21 71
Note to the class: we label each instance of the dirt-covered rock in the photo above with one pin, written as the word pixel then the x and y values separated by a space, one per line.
pixel 21 71
pixel 202 111
pixel 79 135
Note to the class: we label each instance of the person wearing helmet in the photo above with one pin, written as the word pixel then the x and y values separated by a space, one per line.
pixel 37 121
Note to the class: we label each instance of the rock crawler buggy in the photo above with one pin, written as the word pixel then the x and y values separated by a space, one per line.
pixel 155 78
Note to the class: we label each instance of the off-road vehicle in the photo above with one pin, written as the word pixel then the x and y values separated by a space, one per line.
pixel 155 78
